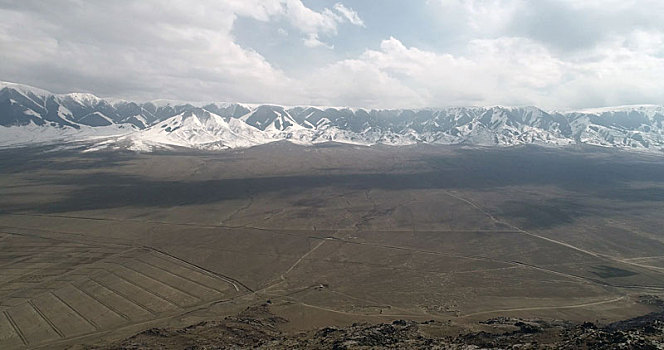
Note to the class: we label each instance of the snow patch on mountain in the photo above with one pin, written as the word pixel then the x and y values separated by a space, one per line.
pixel 195 128
pixel 33 116
pixel 32 134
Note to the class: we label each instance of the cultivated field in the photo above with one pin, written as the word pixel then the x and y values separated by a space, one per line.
pixel 53 290
pixel 97 246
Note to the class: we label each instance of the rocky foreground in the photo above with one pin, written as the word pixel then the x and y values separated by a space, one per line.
pixel 258 328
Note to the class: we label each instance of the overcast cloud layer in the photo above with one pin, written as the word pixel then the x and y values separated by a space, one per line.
pixel 556 54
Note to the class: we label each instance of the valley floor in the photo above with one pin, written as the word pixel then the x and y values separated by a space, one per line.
pixel 97 247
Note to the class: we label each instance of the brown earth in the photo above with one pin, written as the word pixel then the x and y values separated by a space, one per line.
pixel 96 247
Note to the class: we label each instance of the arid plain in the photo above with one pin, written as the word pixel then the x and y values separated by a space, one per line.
pixel 95 247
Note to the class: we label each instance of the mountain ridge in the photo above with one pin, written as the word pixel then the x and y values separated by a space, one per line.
pixel 146 126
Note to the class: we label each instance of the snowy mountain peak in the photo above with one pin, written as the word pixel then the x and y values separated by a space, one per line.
pixel 82 98
pixel 29 115
pixel 24 89
pixel 272 118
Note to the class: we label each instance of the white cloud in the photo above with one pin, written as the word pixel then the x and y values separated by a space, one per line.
pixel 148 49
pixel 554 54
pixel 282 32
pixel 562 25
pixel 358 83
pixel 351 15
pixel 622 70
pixel 485 17
pixel 313 41
pixel 314 24
pixel 490 74
pixel 505 70
pixel 309 21
pixel 185 50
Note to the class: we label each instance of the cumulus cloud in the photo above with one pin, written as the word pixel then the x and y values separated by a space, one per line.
pixel 554 54
pixel 505 70
pixel 313 41
pixel 314 24
pixel 174 49
pixel 310 21
pixel 351 15
pixel 482 16
pixel 359 83
pixel 564 25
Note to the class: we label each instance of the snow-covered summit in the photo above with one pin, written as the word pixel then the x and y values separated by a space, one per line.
pixel 62 118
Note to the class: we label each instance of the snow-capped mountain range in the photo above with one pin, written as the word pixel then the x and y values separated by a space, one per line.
pixel 34 116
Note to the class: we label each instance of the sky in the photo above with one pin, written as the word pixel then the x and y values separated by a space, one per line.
pixel 555 54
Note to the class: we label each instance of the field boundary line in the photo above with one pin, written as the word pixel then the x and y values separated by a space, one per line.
pixel 92 323
pixel 17 330
pixel 156 280
pixel 123 296
pixel 50 323
pixel 145 289
pixel 180 276
pixel 215 274
pixel 112 309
